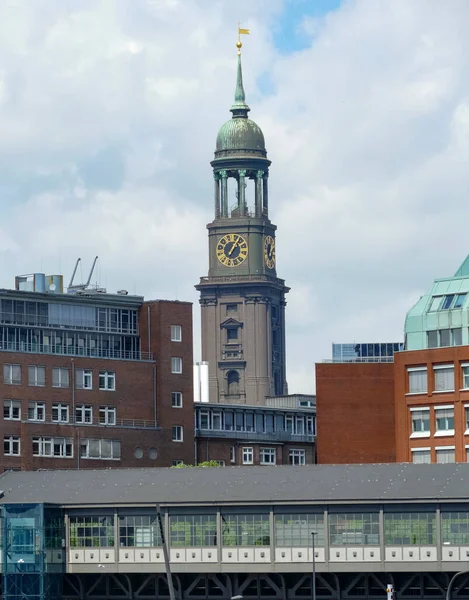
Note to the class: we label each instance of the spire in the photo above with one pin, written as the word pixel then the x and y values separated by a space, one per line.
pixel 240 109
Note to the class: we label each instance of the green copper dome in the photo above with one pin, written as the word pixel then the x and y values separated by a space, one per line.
pixel 240 134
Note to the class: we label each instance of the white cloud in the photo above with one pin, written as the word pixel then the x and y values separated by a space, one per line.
pixel 109 114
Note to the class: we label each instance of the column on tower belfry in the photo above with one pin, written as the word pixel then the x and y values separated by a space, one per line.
pixel 224 193
pixel 265 201
pixel 259 176
pixel 216 179
pixel 241 192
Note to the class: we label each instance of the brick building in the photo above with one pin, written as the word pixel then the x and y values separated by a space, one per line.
pixel 90 379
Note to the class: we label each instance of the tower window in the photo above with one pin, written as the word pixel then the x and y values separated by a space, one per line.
pixel 232 334
pixel 233 383
pixel 231 308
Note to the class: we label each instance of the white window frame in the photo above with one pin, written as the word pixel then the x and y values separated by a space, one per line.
pixel 438 369
pixel 411 370
pixel 221 463
pixel 9 377
pixel 86 376
pixel 421 450
pixel 297 453
pixel 85 449
pixel 233 454
pixel 62 377
pixel 34 380
pixel 38 410
pixel 46 447
pixel 107 415
pixel 248 455
pixel 14 410
pixel 107 381
pixel 267 456
pixel 177 433
pixel 84 414
pixel 176 365
pixel 14 442
pixel 445 449
pixel 60 412
pixel 176 333
pixel 465 366
pixel 443 432
pixel 177 462
pixel 423 433
pixel 176 399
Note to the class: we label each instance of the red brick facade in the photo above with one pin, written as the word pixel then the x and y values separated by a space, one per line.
pixel 142 400
pixel 355 413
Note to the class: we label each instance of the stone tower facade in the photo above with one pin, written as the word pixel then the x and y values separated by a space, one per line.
pixel 242 299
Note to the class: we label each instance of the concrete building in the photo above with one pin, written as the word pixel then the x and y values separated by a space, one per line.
pixel 93 379
pixel 84 535
pixel 242 299
pixel 281 432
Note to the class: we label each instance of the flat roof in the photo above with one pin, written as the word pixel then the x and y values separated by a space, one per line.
pixel 369 483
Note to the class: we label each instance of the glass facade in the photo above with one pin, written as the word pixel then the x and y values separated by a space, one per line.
pixel 294 530
pixel 91 532
pixel 410 529
pixel 139 531
pixel 354 529
pixel 455 528
pixel 193 530
pixel 246 530
pixel 373 352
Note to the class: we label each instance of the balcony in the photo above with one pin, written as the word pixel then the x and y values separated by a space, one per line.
pixel 75 351
pixel 254 436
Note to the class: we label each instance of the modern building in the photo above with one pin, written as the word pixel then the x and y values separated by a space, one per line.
pixel 242 299
pixel 365 352
pixel 281 432
pixel 93 379
pixel 95 535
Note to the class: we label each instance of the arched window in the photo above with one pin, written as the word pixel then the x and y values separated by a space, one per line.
pixel 233 383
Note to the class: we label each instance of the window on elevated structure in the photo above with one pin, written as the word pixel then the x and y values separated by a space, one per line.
pixel 245 530
pixel 354 529
pixel 417 380
pixel 91 532
pixel 410 528
pixel 455 528
pixel 294 530
pixel 139 531
pixel 189 531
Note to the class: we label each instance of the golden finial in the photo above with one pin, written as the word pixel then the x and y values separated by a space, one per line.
pixel 241 31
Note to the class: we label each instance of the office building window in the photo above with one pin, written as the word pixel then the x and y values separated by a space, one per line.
pixel 60 413
pixel 245 530
pixel 36 411
pixel 92 532
pixel 216 420
pixel 421 456
pixel 232 334
pixel 141 531
pixel 465 376
pixel 176 364
pixel 444 416
pixel 191 531
pixel 176 399
pixel 420 422
pixel 12 374
pixel 12 410
pixel 84 379
pixel 11 445
pixel 60 377
pixel 102 449
pixel 417 380
pixel 456 336
pixel 354 529
pixel 435 303
pixel 294 530
pixel 467 453
pixel 107 415
pixel 36 376
pixel 176 333
pixel 177 433
pixel 53 447
pixel 410 529
pixel 83 413
pixel 267 456
pixel 297 457
pixel 445 454
pixel 248 456
pixel 444 378
pixel 107 380
pixel 432 339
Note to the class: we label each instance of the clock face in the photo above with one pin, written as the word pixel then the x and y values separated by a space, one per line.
pixel 269 251
pixel 232 250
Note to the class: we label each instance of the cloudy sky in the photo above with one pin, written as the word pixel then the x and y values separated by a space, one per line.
pixel 109 111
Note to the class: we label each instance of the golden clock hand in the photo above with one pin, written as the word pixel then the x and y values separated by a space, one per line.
pixel 235 245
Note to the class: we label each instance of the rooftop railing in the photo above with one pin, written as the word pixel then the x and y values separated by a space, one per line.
pixel 75 351
pixel 361 359
pixel 254 436
pixel 119 423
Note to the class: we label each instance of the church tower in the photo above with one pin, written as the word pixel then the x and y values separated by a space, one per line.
pixel 242 299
